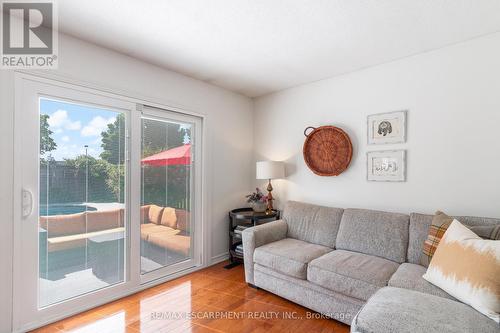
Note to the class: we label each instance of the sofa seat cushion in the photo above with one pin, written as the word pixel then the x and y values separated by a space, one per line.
pixel 289 256
pixel 402 310
pixel 328 302
pixel 177 243
pixel 409 276
pixel 148 229
pixel 350 273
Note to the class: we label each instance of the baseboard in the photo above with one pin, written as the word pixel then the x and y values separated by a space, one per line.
pixel 219 258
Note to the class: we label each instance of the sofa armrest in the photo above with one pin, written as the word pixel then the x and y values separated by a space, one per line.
pixel 257 236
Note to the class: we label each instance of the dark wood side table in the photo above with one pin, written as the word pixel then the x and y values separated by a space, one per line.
pixel 240 219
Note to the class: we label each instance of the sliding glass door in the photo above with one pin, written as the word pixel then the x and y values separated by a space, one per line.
pixel 167 183
pixel 72 173
pixel 81 229
pixel 109 197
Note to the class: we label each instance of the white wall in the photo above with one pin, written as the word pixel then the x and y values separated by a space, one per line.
pixel 228 124
pixel 453 142
pixel 453 98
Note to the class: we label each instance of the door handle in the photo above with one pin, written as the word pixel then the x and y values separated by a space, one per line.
pixel 27 203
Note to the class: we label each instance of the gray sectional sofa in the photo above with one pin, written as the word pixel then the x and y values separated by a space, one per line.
pixel 360 267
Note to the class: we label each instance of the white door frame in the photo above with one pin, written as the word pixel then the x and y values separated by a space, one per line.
pixel 23 318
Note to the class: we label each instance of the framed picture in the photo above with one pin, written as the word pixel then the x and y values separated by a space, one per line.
pixel 386 166
pixel 387 128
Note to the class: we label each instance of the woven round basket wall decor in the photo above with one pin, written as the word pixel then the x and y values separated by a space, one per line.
pixel 327 150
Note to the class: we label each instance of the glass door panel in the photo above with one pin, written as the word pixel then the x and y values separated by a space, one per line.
pixel 166 201
pixel 110 197
pixel 81 229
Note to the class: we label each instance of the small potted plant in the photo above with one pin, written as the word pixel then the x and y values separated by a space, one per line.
pixel 258 201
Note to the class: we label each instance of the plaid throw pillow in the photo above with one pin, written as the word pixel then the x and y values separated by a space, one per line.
pixel 438 227
pixel 440 224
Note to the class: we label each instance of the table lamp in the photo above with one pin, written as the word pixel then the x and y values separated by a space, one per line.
pixel 270 170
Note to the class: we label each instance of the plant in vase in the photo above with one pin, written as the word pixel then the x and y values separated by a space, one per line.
pixel 257 200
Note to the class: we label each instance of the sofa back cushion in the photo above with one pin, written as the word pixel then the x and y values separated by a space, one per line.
pixel 105 219
pixel 64 225
pixel 381 234
pixel 312 223
pixel 419 229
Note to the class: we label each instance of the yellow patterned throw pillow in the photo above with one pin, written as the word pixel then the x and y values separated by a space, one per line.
pixel 468 268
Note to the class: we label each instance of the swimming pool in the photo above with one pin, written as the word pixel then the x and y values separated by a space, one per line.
pixel 63 209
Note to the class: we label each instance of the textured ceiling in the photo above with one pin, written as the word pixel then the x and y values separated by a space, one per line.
pixel 259 46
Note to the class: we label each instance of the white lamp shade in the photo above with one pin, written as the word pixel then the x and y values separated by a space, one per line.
pixel 270 170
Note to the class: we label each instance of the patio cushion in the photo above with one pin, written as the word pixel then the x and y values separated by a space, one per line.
pixel 65 245
pixel 183 219
pixel 63 225
pixel 178 243
pixel 353 274
pixel 409 276
pixel 169 218
pixel 145 214
pixel 289 256
pixel 74 241
pixel 154 214
pixel 104 219
pixel 148 229
pixel 373 232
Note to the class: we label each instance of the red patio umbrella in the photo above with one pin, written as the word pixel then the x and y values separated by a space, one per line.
pixel 176 156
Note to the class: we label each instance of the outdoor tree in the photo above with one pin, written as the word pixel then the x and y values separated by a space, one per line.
pixel 105 180
pixel 47 143
pixel 104 177
pixel 160 136
pixel 113 141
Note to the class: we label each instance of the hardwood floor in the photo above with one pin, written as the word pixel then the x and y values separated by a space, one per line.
pixel 212 296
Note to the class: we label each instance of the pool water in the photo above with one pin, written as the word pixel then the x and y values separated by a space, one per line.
pixel 63 209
